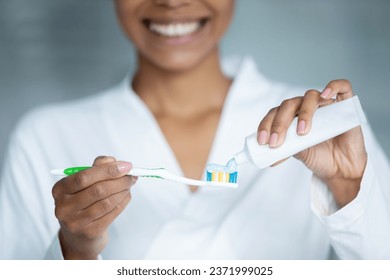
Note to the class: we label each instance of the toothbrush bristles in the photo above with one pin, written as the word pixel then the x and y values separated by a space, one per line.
pixel 222 177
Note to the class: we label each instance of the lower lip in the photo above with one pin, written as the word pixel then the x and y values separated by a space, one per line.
pixel 179 40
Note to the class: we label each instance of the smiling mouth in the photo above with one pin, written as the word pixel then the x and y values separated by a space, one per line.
pixel 175 29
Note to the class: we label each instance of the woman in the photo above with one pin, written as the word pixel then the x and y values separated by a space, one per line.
pixel 181 110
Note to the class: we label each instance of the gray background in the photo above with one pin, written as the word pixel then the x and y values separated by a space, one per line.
pixel 53 50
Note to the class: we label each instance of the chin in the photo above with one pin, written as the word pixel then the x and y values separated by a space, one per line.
pixel 177 62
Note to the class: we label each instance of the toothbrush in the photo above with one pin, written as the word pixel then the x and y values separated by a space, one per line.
pixel 215 179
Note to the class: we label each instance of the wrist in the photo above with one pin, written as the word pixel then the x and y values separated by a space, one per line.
pixel 71 253
pixel 346 186
pixel 344 190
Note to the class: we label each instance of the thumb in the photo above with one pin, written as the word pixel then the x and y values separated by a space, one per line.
pixel 101 160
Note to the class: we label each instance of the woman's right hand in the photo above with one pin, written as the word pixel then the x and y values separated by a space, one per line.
pixel 86 204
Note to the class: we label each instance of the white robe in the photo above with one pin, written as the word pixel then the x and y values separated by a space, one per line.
pixel 282 212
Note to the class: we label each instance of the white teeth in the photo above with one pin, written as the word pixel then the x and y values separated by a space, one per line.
pixel 174 29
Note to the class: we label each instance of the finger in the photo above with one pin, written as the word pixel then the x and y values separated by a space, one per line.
pixel 88 177
pixel 282 121
pixel 265 127
pixel 325 102
pixel 95 228
pixel 100 160
pixel 101 207
pixel 309 105
pixel 341 89
pixel 101 190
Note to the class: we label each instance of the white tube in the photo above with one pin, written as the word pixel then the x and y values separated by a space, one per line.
pixel 328 122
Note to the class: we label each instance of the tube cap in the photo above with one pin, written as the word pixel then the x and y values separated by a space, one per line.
pixel 241 158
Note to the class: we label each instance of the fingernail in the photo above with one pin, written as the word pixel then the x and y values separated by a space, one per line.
pixel 124 167
pixel 273 140
pixel 326 93
pixel 301 127
pixel 262 137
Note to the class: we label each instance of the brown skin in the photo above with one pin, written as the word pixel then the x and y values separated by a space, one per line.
pixel 184 75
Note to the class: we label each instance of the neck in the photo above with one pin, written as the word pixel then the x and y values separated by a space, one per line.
pixel 182 93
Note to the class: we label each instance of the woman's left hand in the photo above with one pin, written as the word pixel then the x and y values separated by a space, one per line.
pixel 340 161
